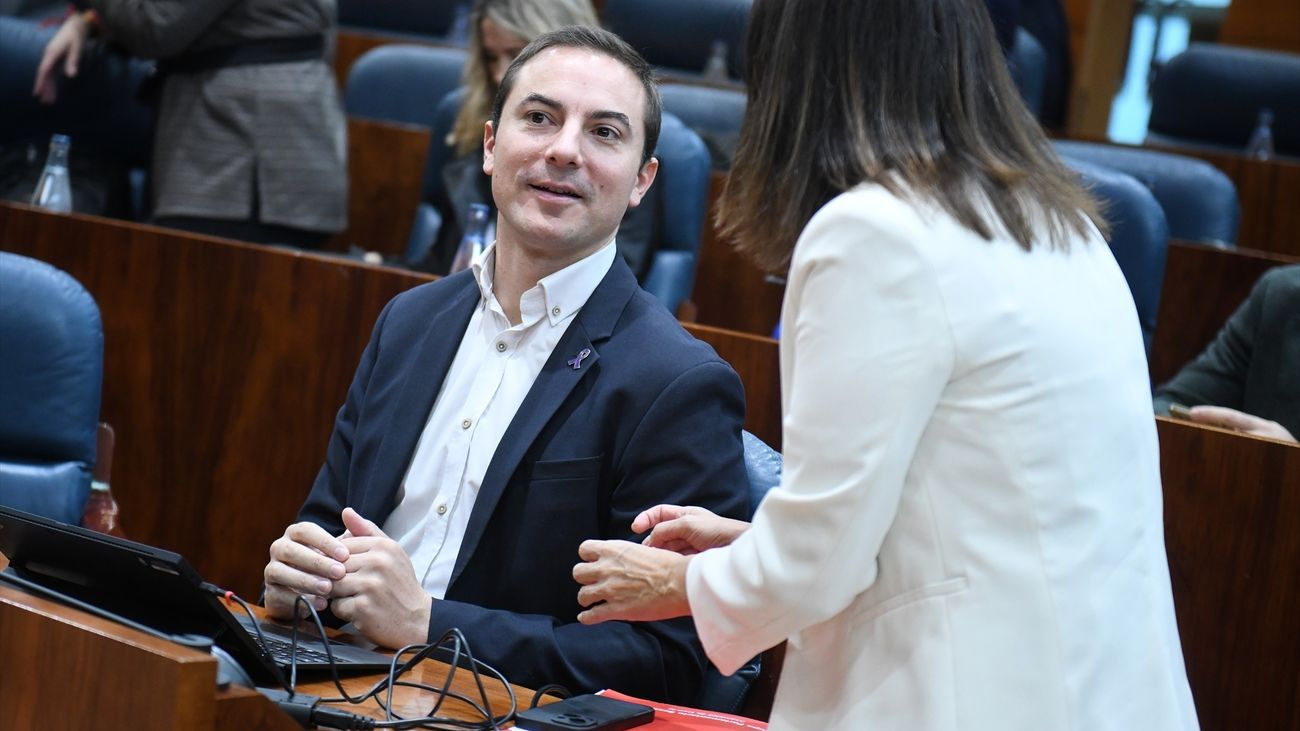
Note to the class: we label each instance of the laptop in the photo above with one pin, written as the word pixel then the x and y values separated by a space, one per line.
pixel 160 590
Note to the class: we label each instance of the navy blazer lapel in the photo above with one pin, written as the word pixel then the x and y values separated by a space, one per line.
pixel 425 372
pixel 591 326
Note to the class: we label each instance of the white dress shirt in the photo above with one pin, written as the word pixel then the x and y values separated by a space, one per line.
pixel 493 371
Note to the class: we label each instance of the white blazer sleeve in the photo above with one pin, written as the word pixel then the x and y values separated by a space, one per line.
pixel 871 355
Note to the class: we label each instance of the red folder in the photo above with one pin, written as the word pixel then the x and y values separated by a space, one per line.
pixel 681 718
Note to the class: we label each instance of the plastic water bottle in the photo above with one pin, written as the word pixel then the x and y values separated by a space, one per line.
pixel 715 69
pixel 54 190
pixel 475 238
pixel 101 512
pixel 1260 146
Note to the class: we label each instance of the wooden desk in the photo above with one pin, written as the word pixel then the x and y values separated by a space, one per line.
pixel 1232 529
pixel 64 668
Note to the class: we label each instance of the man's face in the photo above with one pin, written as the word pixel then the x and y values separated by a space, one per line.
pixel 565 158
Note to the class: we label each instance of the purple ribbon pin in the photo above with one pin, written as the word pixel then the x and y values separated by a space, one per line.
pixel 576 362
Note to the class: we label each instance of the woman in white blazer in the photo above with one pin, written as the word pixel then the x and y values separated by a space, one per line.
pixel 968 533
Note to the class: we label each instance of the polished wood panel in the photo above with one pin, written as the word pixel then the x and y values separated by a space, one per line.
pixel 1232 527
pixel 1268 191
pixel 63 668
pixel 730 292
pixel 1203 286
pixel 385 179
pixel 757 362
pixel 1271 24
pixel 224 366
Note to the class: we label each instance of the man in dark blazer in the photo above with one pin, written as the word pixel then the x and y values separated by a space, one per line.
pixel 626 410
pixel 1249 377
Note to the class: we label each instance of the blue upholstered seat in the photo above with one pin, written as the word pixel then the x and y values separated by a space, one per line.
pixel 51 370
pixel 1210 96
pixel 402 83
pixel 678 35
pixel 714 113
pixel 1199 201
pixel 1139 235
pixel 728 693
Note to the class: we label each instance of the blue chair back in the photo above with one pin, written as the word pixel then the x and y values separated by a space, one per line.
pixel 714 114
pixel 50 376
pixel 411 17
pixel 763 466
pixel 678 35
pixel 1210 96
pixel 402 83
pixel 1199 201
pixel 720 692
pixel 682 182
pixel 1139 235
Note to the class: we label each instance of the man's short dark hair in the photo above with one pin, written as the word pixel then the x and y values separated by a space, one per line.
pixel 601 41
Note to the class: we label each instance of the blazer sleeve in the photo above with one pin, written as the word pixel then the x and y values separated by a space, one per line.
pixel 872 352
pixel 1217 377
pixel 686 449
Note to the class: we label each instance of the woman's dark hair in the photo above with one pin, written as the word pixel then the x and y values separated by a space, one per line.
pixel 913 95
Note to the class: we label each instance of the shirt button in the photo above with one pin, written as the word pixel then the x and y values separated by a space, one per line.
pixel 501 347
pixel 466 424
pixel 442 509
pixel 555 311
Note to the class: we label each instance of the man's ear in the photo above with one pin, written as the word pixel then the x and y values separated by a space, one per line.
pixel 489 144
pixel 644 178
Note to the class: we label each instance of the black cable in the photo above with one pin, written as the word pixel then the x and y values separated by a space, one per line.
pixel 554 689
pixel 257 629
pixel 459 653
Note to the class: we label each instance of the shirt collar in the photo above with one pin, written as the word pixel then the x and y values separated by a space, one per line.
pixel 556 296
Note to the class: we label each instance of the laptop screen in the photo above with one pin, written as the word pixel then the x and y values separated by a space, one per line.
pixel 148 585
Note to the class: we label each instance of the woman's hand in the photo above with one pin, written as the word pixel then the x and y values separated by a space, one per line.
pixel 65 47
pixel 686 530
pixel 623 580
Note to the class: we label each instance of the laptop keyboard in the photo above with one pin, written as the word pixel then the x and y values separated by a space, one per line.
pixel 281 650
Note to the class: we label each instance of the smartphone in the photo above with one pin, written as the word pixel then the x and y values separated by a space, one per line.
pixel 585 713
pixel 1178 411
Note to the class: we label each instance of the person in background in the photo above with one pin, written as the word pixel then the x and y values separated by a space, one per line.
pixel 250 141
pixel 1248 378
pixel 968 533
pixel 499 30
